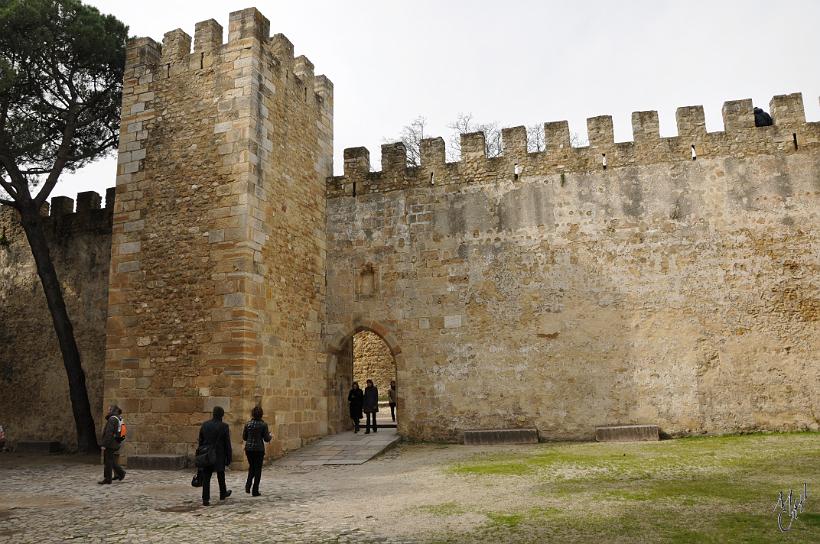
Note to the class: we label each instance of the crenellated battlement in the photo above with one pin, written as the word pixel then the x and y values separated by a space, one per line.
pixel 63 219
pixel 248 29
pixel 789 134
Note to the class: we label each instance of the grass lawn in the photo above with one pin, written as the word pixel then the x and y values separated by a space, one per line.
pixel 704 489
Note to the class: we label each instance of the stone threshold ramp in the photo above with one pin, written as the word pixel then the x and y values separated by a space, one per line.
pixel 346 448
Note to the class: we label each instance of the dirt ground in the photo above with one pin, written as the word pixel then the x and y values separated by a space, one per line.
pixel 693 490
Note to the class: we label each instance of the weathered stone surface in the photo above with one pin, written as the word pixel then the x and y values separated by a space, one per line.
pixel 373 360
pixel 664 289
pixel 627 433
pixel 38 446
pixel 157 461
pixel 500 436
pixel 34 403
pixel 221 201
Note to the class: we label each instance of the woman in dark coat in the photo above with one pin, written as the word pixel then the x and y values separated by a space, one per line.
pixel 356 400
pixel 371 405
pixel 255 434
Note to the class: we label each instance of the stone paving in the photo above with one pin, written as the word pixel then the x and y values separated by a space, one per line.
pixel 57 499
pixel 392 498
pixel 347 448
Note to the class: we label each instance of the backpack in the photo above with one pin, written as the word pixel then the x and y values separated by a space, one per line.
pixel 122 430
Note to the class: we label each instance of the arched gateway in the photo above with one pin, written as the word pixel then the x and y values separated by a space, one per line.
pixel 340 360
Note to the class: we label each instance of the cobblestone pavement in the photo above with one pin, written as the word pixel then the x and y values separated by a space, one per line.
pixel 61 502
pixel 57 499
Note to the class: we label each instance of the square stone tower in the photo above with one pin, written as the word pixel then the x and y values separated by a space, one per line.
pixel 218 252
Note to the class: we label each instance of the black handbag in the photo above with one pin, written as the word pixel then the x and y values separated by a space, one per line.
pixel 196 481
pixel 205 456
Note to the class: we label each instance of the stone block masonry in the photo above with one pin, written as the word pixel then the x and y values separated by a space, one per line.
pixel 217 268
pixel 34 403
pixel 662 281
pixel 667 287
pixel 374 361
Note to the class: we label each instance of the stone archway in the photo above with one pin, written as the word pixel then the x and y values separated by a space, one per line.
pixel 340 357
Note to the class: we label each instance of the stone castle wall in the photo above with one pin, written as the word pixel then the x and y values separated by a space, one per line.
pixel 665 280
pixel 34 402
pixel 217 286
pixel 372 360
pixel 658 289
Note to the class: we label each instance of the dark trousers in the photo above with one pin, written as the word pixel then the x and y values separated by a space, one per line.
pixel 369 416
pixel 356 423
pixel 206 483
pixel 393 411
pixel 255 459
pixel 110 464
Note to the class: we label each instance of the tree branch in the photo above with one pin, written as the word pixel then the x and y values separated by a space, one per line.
pixel 9 203
pixel 18 180
pixel 59 162
pixel 8 187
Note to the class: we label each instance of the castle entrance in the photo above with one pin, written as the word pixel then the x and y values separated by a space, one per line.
pixel 363 355
pixel 372 360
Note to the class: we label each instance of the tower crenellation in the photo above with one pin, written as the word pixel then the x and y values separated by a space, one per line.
pixel 740 136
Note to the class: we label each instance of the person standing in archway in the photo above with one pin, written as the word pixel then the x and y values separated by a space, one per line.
pixel 391 398
pixel 356 401
pixel 371 405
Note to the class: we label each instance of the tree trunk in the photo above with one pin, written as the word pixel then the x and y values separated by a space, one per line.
pixel 86 434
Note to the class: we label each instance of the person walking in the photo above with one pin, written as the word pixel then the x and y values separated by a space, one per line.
pixel 356 401
pixel 255 434
pixel 215 435
pixel 371 406
pixel 110 445
pixel 391 399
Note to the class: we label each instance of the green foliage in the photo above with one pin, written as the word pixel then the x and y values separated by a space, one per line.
pixel 61 69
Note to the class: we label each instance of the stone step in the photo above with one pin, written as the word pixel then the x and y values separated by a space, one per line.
pixel 157 461
pixel 500 436
pixel 38 446
pixel 627 433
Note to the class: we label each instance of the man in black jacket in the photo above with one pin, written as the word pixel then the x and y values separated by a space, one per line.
pixel 110 444
pixel 215 434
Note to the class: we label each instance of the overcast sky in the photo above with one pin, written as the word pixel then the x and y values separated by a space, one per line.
pixel 518 62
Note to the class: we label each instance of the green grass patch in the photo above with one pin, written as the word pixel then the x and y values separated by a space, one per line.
pixel 444 509
pixel 700 489
pixel 505 520
pixel 501 468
